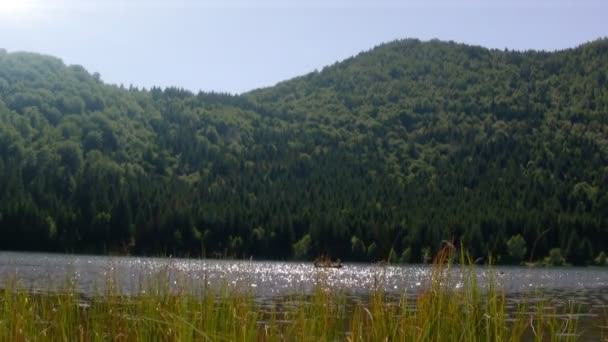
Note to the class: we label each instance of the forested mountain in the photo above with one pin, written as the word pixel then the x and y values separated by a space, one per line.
pixel 385 154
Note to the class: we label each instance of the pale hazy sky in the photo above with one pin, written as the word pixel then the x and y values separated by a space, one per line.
pixel 236 45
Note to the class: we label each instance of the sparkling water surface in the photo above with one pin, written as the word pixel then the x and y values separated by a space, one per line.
pixel 46 272
pixel 585 289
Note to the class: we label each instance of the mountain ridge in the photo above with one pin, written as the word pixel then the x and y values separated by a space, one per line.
pixel 382 155
pixel 600 41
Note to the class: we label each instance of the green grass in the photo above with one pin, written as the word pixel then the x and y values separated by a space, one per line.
pixel 189 314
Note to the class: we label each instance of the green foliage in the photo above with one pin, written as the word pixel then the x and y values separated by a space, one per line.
pixel 601 259
pixel 52 228
pixel 555 258
pixel 426 255
pixel 403 146
pixel 392 256
pixel 358 247
pixel 516 247
pixel 406 256
pixel 372 251
pixel 301 249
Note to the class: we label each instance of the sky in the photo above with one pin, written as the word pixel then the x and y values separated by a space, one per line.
pixel 237 45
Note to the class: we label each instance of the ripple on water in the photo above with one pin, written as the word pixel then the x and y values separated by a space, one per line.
pixel 272 282
pixel 90 273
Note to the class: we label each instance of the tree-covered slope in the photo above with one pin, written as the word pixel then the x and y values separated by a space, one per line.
pixel 396 149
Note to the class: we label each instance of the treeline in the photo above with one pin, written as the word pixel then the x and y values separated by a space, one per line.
pixel 382 156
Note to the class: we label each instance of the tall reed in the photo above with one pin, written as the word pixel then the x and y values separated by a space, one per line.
pixel 441 312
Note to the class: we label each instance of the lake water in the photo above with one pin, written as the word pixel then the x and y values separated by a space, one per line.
pixel 586 288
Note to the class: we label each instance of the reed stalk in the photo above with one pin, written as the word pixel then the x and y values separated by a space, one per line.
pixel 441 312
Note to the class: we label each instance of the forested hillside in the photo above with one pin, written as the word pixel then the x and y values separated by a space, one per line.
pixel 385 154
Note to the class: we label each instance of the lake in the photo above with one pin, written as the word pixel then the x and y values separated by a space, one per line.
pixel 585 288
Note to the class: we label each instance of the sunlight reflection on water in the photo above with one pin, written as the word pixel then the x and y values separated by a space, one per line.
pixel 47 272
pixel 273 282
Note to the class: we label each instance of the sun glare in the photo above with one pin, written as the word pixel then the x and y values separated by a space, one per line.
pixel 14 7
